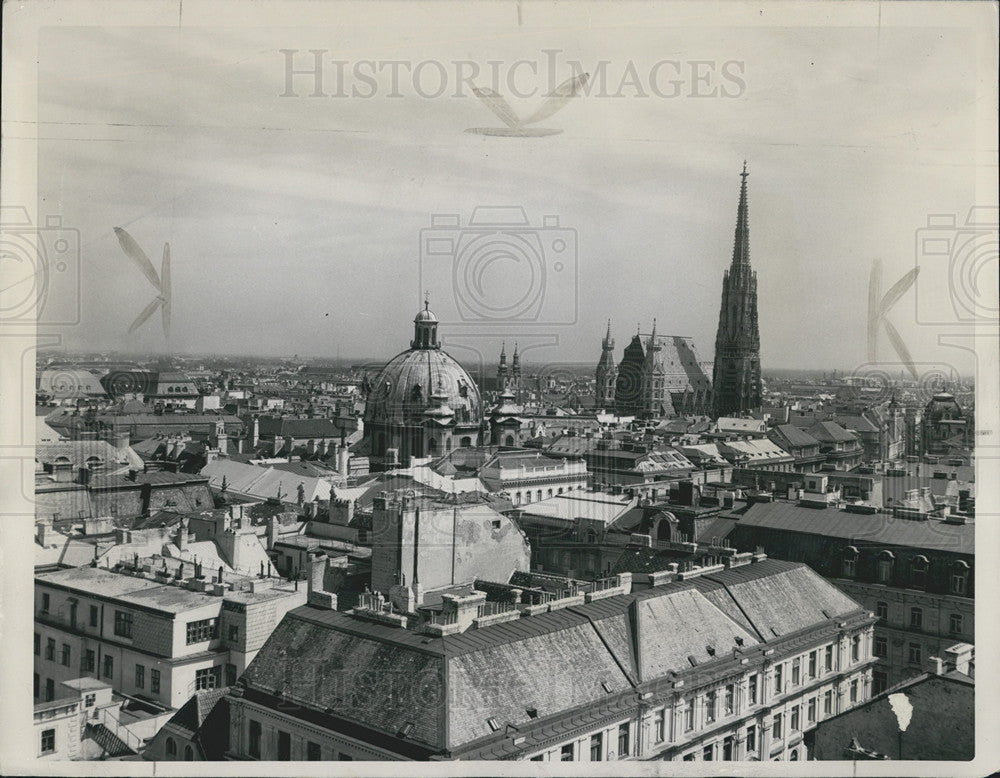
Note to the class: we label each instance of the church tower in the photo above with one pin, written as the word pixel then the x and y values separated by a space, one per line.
pixel 607 373
pixel 502 369
pixel 736 376
pixel 515 374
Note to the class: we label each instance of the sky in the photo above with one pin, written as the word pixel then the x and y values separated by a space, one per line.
pixel 306 225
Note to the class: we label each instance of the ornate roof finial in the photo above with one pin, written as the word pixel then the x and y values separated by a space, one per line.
pixel 427 300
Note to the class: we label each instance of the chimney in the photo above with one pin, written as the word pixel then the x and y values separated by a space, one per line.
pixel 272 532
pixel 342 460
pixel 317 569
pixel 961 657
pixel 182 537
pixel 938 665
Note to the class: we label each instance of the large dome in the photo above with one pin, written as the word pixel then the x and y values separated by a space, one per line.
pixel 943 406
pixel 403 389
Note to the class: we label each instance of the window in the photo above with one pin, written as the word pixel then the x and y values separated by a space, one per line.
pixel 689 717
pixel 913 655
pixel 253 746
pixel 200 631
pixel 752 689
pixel 171 748
pixel 881 647
pixel 729 699
pixel 109 666
pixel 50 689
pixel 46 602
pixel 710 707
pixel 884 569
pixel 140 677
pixel 850 561
pixel 918 569
pixel 828 658
pixel 313 753
pixel 856 648
pixel 827 703
pixel 854 692
pixel 916 618
pixel 345 758
pixel 37 685
pixel 188 754
pixel 793 723
pixel 776 727
pixel 539 758
pixel 284 746
pixel 38 644
pixel 230 674
pixel 660 726
pixel 954 623
pixel 207 678
pixel 623 744
pixel 566 753
pixel 89 660
pixel 50 649
pixel 880 682
pixel 778 673
pixel 811 710
pixel 751 740
pixel 812 664
pixel 958 578
pixel 89 700
pixel 882 610
pixel 596 746
pixel 123 624
pixel 796 668
pixel 727 749
pixel 154 681
pixel 707 752
pixel 65 654
pixel 48 741
pixel 93 615
pixel 233 633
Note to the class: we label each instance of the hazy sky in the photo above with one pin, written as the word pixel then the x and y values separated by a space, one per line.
pixel 295 222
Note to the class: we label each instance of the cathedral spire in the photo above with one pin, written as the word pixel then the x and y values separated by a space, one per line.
pixel 741 243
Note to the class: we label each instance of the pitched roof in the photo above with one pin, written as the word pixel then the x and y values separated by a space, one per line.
pixel 796 436
pixel 870 528
pixel 830 432
pixel 572 659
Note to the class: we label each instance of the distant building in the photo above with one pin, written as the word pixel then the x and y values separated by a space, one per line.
pixel 945 428
pixel 731 664
pixel 422 403
pixel 736 387
pixel 803 447
pixel 661 375
pixel 527 475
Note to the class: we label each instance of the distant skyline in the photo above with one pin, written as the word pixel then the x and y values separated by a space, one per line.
pixel 295 222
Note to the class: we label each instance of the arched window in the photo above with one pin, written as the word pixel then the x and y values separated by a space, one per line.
pixel 188 754
pixel 918 569
pixel 850 562
pixel 171 748
pixel 959 577
pixel 885 562
pixel 591 536
pixel 466 441
pixel 794 756
pixel 663 530
pixel 509 440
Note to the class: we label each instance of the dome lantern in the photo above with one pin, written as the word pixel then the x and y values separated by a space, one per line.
pixel 425 328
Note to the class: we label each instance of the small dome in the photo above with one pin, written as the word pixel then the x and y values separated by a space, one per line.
pixel 425 315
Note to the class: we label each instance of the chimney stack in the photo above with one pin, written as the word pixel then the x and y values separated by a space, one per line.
pixel 961 656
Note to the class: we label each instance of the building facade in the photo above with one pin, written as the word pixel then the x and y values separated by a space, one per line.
pixel 736 387
pixel 147 637
pixel 660 375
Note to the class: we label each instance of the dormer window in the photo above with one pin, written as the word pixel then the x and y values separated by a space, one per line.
pixel 850 562
pixel 493 724
pixel 959 577
pixel 532 712
pixel 885 562
pixel 918 569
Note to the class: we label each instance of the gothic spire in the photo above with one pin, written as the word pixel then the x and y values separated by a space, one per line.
pixel 741 244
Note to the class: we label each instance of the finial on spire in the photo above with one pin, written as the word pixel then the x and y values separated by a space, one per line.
pixel 744 174
pixel 427 300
